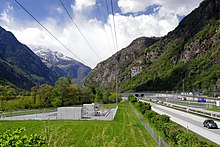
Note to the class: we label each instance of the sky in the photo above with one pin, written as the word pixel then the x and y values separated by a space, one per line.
pixel 88 34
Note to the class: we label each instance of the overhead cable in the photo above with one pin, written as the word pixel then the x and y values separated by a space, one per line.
pixel 100 15
pixel 116 77
pixel 79 30
pixel 116 42
pixel 49 31
pixel 113 38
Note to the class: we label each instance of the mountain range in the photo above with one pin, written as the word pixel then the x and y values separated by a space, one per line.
pixel 19 66
pixel 186 58
pixel 62 65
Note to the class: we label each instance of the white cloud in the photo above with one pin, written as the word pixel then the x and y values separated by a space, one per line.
pixel 83 4
pixel 35 36
pixel 179 7
pixel 128 28
pixel 131 27
pixel 59 10
pixel 5 16
pixel 134 5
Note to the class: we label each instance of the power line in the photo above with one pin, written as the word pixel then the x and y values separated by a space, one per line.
pixel 116 42
pixel 100 15
pixel 79 29
pixel 116 77
pixel 106 2
pixel 48 31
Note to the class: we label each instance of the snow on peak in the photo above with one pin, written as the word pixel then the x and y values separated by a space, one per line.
pixel 50 55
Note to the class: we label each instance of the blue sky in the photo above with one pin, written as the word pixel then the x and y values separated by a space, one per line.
pixel 133 18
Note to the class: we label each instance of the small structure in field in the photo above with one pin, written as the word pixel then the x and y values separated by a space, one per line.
pixel 87 111
pixel 69 113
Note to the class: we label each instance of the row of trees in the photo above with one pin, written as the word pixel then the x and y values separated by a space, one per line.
pixel 172 132
pixel 63 93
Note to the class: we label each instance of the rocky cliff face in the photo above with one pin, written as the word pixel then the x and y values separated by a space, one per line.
pixel 189 53
pixel 105 72
pixel 19 65
pixel 63 66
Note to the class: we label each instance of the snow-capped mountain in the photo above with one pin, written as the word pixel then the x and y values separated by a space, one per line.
pixel 63 65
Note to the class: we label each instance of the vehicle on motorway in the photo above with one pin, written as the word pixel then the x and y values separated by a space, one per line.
pixel 210 124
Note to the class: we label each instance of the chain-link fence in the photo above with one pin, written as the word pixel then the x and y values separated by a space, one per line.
pixel 160 142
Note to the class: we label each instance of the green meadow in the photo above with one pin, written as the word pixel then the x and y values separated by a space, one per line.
pixel 126 130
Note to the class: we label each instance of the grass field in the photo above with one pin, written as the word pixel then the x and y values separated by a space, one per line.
pixel 126 130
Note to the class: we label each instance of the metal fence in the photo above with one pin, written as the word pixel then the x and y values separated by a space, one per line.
pixel 159 141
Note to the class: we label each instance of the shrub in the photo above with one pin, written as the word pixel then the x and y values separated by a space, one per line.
pixel 15 139
pixel 150 114
pixel 132 98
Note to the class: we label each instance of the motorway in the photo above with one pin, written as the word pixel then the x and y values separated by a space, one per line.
pixel 190 121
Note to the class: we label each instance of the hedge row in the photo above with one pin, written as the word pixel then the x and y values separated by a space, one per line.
pixel 170 131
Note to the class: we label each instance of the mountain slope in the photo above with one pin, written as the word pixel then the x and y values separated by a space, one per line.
pixel 62 65
pixel 188 55
pixel 19 65
pixel 105 72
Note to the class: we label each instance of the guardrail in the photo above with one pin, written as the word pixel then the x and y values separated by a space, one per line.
pixel 211 114
pixel 207 113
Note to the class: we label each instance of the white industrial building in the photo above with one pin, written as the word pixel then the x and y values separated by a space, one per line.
pixel 88 111
pixel 69 113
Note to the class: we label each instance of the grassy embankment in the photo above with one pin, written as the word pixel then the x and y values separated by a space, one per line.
pixel 125 130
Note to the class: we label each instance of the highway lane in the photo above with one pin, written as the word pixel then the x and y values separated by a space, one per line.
pixel 190 121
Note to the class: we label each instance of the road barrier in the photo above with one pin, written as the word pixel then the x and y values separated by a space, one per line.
pixel 199 111
pixel 211 114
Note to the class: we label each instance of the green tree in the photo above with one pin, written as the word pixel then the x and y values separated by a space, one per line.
pixel 6 93
pixel 106 97
pixel 86 95
pixel 99 95
pixel 73 95
pixel 44 96
pixel 62 89
pixel 34 93
pixel 9 93
pixel 113 97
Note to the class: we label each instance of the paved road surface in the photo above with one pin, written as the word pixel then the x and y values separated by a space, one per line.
pixel 190 121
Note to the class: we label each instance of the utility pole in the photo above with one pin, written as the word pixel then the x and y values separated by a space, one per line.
pixel 116 82
pixel 214 91
pixel 183 88
pixel 193 93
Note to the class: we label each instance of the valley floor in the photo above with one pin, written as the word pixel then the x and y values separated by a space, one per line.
pixel 125 130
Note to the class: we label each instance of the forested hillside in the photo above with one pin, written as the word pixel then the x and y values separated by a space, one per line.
pixel 19 66
pixel 189 55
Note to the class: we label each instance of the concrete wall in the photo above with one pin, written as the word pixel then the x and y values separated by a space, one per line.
pixel 69 113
